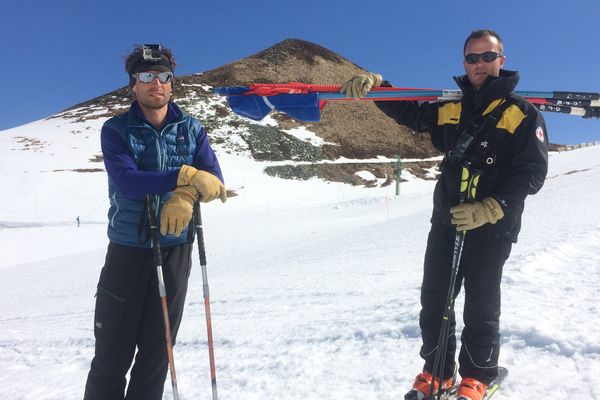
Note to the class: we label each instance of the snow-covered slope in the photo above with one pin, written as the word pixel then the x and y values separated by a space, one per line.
pixel 314 285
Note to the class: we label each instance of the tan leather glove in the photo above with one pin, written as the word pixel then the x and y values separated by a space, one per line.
pixel 360 85
pixel 469 216
pixel 209 186
pixel 177 211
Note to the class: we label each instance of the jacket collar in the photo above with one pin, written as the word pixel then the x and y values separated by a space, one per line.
pixel 493 88
pixel 136 117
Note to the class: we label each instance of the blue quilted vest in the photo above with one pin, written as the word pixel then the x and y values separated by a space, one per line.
pixel 152 150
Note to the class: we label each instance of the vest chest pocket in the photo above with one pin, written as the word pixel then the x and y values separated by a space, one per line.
pixel 182 144
pixel 138 147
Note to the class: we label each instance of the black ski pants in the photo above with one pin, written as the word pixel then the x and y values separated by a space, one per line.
pixel 484 253
pixel 129 315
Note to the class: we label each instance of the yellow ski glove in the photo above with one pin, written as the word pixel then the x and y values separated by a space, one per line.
pixel 469 216
pixel 209 186
pixel 360 85
pixel 177 211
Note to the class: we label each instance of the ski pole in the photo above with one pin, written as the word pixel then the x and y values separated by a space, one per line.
pixel 206 295
pixel 468 187
pixel 162 289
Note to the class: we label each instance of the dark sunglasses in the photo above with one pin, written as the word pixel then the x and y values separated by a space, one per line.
pixel 487 57
pixel 148 77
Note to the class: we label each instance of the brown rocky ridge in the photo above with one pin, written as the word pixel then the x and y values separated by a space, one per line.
pixel 353 130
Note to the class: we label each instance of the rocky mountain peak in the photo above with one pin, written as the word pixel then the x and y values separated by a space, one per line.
pixel 354 129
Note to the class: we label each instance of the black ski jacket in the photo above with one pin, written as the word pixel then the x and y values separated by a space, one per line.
pixel 512 155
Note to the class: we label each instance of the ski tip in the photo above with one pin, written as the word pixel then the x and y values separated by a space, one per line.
pixel 502 371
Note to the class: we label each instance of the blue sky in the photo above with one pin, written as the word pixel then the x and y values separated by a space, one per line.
pixel 61 52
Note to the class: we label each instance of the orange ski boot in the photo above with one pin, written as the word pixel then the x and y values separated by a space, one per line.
pixel 471 389
pixel 422 386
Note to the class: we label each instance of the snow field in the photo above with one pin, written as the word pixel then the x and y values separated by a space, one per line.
pixel 314 287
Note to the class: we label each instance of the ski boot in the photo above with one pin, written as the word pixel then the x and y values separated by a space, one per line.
pixel 422 386
pixel 471 389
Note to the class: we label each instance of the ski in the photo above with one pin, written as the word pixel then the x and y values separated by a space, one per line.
pixel 494 386
pixel 502 373
pixel 445 395
pixel 580 111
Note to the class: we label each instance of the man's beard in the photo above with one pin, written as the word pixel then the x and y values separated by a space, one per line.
pixel 154 103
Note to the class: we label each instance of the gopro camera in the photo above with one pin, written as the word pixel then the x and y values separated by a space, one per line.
pixel 152 53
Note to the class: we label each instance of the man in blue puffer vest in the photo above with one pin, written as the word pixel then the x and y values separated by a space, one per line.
pixel 152 149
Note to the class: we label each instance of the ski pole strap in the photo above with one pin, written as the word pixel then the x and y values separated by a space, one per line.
pixel 474 129
pixel 143 226
pixel 190 228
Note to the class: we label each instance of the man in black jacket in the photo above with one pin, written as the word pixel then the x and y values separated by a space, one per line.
pixel 511 154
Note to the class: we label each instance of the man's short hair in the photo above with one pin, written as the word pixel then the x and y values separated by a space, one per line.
pixel 137 62
pixel 480 33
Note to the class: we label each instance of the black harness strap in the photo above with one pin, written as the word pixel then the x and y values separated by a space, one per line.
pixel 475 129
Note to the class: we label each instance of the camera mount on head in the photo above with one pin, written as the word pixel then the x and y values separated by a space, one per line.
pixel 152 53
pixel 148 57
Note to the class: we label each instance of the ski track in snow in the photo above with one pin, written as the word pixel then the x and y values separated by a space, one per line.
pixel 317 299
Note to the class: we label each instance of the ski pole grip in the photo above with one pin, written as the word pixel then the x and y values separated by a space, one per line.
pixel 464 184
pixel 469 182
pixel 473 184
pixel 200 233
pixel 154 238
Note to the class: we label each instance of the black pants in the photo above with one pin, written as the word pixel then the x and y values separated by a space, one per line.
pixel 129 315
pixel 484 254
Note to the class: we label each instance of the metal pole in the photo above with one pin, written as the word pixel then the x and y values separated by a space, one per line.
pixel 468 188
pixel 440 354
pixel 162 290
pixel 206 294
pixel 398 171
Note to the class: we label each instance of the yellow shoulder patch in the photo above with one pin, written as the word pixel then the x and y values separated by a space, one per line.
pixel 511 119
pixel 492 105
pixel 449 113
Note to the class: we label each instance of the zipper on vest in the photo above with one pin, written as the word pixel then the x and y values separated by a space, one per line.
pixel 114 198
pixel 161 165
